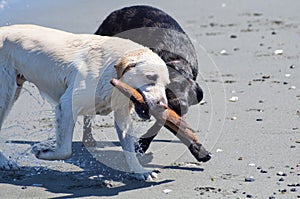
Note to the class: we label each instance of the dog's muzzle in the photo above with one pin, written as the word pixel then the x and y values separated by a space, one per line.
pixel 141 111
pixel 144 113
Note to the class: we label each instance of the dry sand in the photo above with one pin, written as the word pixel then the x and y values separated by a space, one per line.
pixel 249 69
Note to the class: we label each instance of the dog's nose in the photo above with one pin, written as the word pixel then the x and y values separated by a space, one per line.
pixel 195 94
pixel 199 94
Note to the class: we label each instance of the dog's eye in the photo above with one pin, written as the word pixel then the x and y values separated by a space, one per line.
pixel 152 77
pixel 128 67
pixel 131 65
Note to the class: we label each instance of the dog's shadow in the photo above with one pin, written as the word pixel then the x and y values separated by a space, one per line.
pixel 92 178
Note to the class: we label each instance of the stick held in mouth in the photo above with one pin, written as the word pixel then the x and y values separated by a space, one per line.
pixel 169 119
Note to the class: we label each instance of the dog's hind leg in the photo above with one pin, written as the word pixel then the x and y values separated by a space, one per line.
pixel 65 122
pixel 7 92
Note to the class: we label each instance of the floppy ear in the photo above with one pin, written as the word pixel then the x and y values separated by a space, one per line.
pixel 123 66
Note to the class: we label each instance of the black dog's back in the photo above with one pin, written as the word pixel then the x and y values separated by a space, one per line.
pixel 143 16
pixel 166 38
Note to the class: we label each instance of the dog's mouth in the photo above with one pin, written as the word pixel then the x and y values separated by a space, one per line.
pixel 142 112
pixel 152 105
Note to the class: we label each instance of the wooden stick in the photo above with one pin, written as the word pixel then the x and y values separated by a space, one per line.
pixel 168 118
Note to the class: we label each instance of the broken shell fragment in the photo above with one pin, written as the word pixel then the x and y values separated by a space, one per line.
pixel 223 52
pixel 234 99
pixel 278 52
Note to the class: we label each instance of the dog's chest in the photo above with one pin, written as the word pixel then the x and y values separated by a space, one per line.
pixel 92 93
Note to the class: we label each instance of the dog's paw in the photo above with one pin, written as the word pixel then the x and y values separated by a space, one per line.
pixel 48 151
pixel 44 150
pixel 6 164
pixel 146 176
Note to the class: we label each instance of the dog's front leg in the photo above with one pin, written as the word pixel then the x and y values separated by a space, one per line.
pixel 123 124
pixel 65 122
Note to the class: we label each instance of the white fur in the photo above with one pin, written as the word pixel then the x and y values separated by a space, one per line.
pixel 74 71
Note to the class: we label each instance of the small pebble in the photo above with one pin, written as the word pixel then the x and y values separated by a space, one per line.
pixel 233 36
pixel 280 173
pixel 251 164
pixel 219 150
pixel 281 179
pixel 263 171
pixel 287 75
pixel 283 191
pixel 259 120
pixel 292 66
pixel 240 158
pixel 249 196
pixel 293 189
pixel 234 99
pixel 266 76
pixel 233 118
pixel 278 52
pixel 250 179
pixel 293 185
pixel 223 52
pixel 271 197
pixel 166 191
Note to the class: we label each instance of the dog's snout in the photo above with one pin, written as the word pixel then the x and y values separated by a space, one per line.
pixel 180 106
pixel 183 107
pixel 195 94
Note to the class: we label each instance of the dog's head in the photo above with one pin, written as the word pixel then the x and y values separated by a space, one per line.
pixel 183 91
pixel 147 72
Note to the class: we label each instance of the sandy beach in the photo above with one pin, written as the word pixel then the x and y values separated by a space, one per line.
pixel 249 69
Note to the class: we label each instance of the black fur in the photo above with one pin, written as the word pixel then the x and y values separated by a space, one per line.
pixel 143 144
pixel 157 30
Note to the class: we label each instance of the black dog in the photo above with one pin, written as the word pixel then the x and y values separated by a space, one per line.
pixel 157 30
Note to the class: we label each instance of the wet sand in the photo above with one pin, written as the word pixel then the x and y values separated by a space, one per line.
pixel 249 69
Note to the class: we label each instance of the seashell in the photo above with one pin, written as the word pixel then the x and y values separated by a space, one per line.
pixel 234 99
pixel 278 52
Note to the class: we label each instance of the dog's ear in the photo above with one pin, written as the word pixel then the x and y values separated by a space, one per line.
pixel 129 61
pixel 123 66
